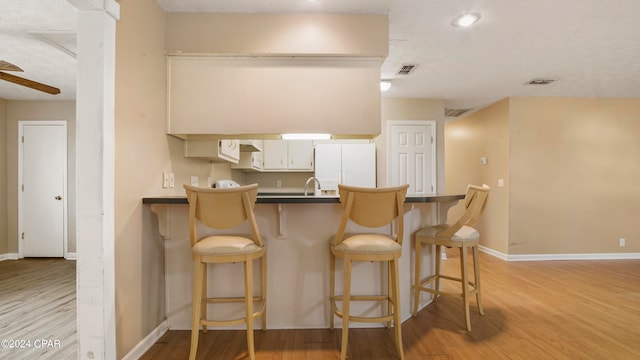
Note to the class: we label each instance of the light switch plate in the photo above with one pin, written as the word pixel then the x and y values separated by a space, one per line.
pixel 165 180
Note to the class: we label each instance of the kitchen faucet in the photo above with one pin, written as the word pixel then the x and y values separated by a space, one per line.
pixel 306 185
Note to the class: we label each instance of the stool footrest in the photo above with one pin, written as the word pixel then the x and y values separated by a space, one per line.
pixel 242 320
pixel 366 319
pixel 364 298
pixel 230 300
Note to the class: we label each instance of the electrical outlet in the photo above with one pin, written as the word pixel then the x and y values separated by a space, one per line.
pixel 194 181
pixel 278 184
pixel 172 180
pixel 622 242
pixel 165 180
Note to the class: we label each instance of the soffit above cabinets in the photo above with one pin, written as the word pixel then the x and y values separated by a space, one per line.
pixel 273 95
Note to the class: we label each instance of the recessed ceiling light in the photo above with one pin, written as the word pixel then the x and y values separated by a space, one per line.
pixel 466 20
pixel 385 85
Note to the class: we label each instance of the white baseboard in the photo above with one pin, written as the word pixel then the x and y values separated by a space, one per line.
pixel 598 256
pixel 9 256
pixel 494 253
pixel 545 257
pixel 71 256
pixel 146 343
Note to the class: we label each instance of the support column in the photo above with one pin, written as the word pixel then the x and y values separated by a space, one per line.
pixel 95 178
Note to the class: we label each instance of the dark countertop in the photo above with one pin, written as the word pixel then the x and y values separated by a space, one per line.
pixel 272 198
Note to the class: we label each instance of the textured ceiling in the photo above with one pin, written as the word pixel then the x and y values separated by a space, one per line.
pixel 41 62
pixel 591 47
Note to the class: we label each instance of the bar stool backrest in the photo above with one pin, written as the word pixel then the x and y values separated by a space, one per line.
pixel 474 202
pixel 223 208
pixel 371 207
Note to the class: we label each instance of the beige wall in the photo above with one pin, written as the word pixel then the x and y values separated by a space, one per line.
pixel 574 175
pixel 4 243
pixel 43 111
pixel 411 109
pixel 570 167
pixel 143 152
pixel 141 155
pixel 482 134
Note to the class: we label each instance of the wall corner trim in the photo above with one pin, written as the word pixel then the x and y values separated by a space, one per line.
pixel 146 343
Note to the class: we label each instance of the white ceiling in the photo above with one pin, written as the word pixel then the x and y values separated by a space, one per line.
pixel 592 47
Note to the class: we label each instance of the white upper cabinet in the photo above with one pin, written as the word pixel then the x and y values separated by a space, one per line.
pixel 288 155
pixel 215 150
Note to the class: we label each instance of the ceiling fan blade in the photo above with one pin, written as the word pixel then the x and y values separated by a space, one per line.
pixel 29 83
pixel 7 66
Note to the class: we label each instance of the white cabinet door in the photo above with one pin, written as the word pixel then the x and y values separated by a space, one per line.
pixel 350 164
pixel 288 155
pixel 300 155
pixel 275 154
pixel 229 149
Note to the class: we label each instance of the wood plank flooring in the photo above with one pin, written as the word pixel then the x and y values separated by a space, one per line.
pixel 38 309
pixel 533 310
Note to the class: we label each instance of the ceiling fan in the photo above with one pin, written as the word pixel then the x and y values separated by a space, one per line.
pixel 6 66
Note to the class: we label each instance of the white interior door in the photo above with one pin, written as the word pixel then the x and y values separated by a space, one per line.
pixel 412 156
pixel 43 164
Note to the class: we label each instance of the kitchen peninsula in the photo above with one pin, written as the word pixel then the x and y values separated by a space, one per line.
pixel 297 231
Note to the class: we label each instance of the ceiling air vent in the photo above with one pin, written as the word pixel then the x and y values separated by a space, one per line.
pixel 454 112
pixel 406 69
pixel 540 82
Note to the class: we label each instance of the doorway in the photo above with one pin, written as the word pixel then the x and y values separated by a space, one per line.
pixel 42 192
pixel 412 155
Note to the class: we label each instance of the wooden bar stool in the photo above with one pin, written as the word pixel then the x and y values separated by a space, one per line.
pixel 371 208
pixel 225 209
pixel 460 235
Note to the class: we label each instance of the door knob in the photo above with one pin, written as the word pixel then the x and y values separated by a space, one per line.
pixel 58 197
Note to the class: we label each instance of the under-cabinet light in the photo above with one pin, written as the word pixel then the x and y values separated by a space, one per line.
pixel 303 136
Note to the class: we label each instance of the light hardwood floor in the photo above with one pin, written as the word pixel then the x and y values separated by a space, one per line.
pixel 38 309
pixel 533 310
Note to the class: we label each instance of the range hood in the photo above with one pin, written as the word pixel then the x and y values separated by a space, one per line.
pixel 249 146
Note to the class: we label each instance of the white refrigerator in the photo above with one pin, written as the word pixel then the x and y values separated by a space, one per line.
pixel 350 164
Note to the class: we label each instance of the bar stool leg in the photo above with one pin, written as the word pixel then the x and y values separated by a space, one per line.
pixel 476 275
pixel 263 261
pixel 345 307
pixel 248 284
pixel 390 301
pixel 396 306
pixel 438 265
pixel 203 309
pixel 198 271
pixel 418 277
pixel 332 288
pixel 465 285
